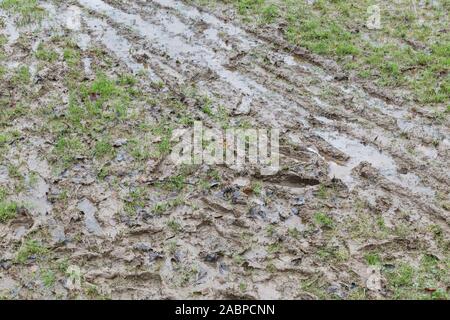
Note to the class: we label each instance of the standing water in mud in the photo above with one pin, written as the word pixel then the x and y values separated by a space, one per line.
pixel 342 189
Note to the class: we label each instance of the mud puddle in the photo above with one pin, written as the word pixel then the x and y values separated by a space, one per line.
pixel 9 30
pixel 358 153
pixel 174 46
pixel 116 44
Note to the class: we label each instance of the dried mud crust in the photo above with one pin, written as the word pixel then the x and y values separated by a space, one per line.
pixel 358 211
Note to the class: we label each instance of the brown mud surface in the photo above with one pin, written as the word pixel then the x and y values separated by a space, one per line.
pixel 359 210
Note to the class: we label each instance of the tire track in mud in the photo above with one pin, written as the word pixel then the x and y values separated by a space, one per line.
pixel 276 40
pixel 310 105
pixel 173 45
pixel 215 229
pixel 291 79
pixel 174 26
pixel 192 13
pixel 173 32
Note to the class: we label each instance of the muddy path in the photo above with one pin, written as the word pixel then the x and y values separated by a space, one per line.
pixel 289 92
pixel 347 155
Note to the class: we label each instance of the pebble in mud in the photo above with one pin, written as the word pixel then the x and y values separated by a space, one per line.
pixel 179 256
pixel 267 291
pixel 201 275
pixel 153 256
pixel 7 284
pixel 5 265
pixel 336 290
pixel 123 254
pixel 120 157
pixel 261 212
pixel 241 182
pixel 238 198
pixel 244 107
pixel 4 174
pixel 120 142
pixel 141 246
pixel 58 235
pixel 299 201
pixel 223 268
pixel 373 282
pixel 211 257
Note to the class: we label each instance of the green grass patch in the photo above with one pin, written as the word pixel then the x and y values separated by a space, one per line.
pixel 30 248
pixel 8 210
pixel 27 11
pixel 48 278
pixel 45 54
pixel 71 57
pixel 372 258
pixel 68 150
pixel 22 76
pixel 103 148
pixel 174 225
pixel 426 281
pixel 323 220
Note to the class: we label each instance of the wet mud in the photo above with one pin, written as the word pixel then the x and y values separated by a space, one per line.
pixel 361 174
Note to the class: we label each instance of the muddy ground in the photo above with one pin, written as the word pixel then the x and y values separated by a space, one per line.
pixel 92 208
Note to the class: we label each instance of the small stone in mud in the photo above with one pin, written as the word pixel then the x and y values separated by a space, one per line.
pixel 225 193
pixel 54 195
pixel 243 108
pixel 123 254
pixel 120 142
pixel 223 268
pixel 214 184
pixel 142 246
pixel 389 266
pixel 129 222
pixel 201 274
pixel 141 56
pixel 299 201
pixel 153 256
pixel 8 284
pixel 144 214
pixel 5 265
pixel 403 170
pixel 241 182
pixel 259 211
pixel 373 282
pixel 120 157
pixel 178 256
pixel 284 214
pixel 336 290
pixel 341 77
pixel 211 257
pixel 366 170
pixel 238 198
pixel 383 204
pixel 57 233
